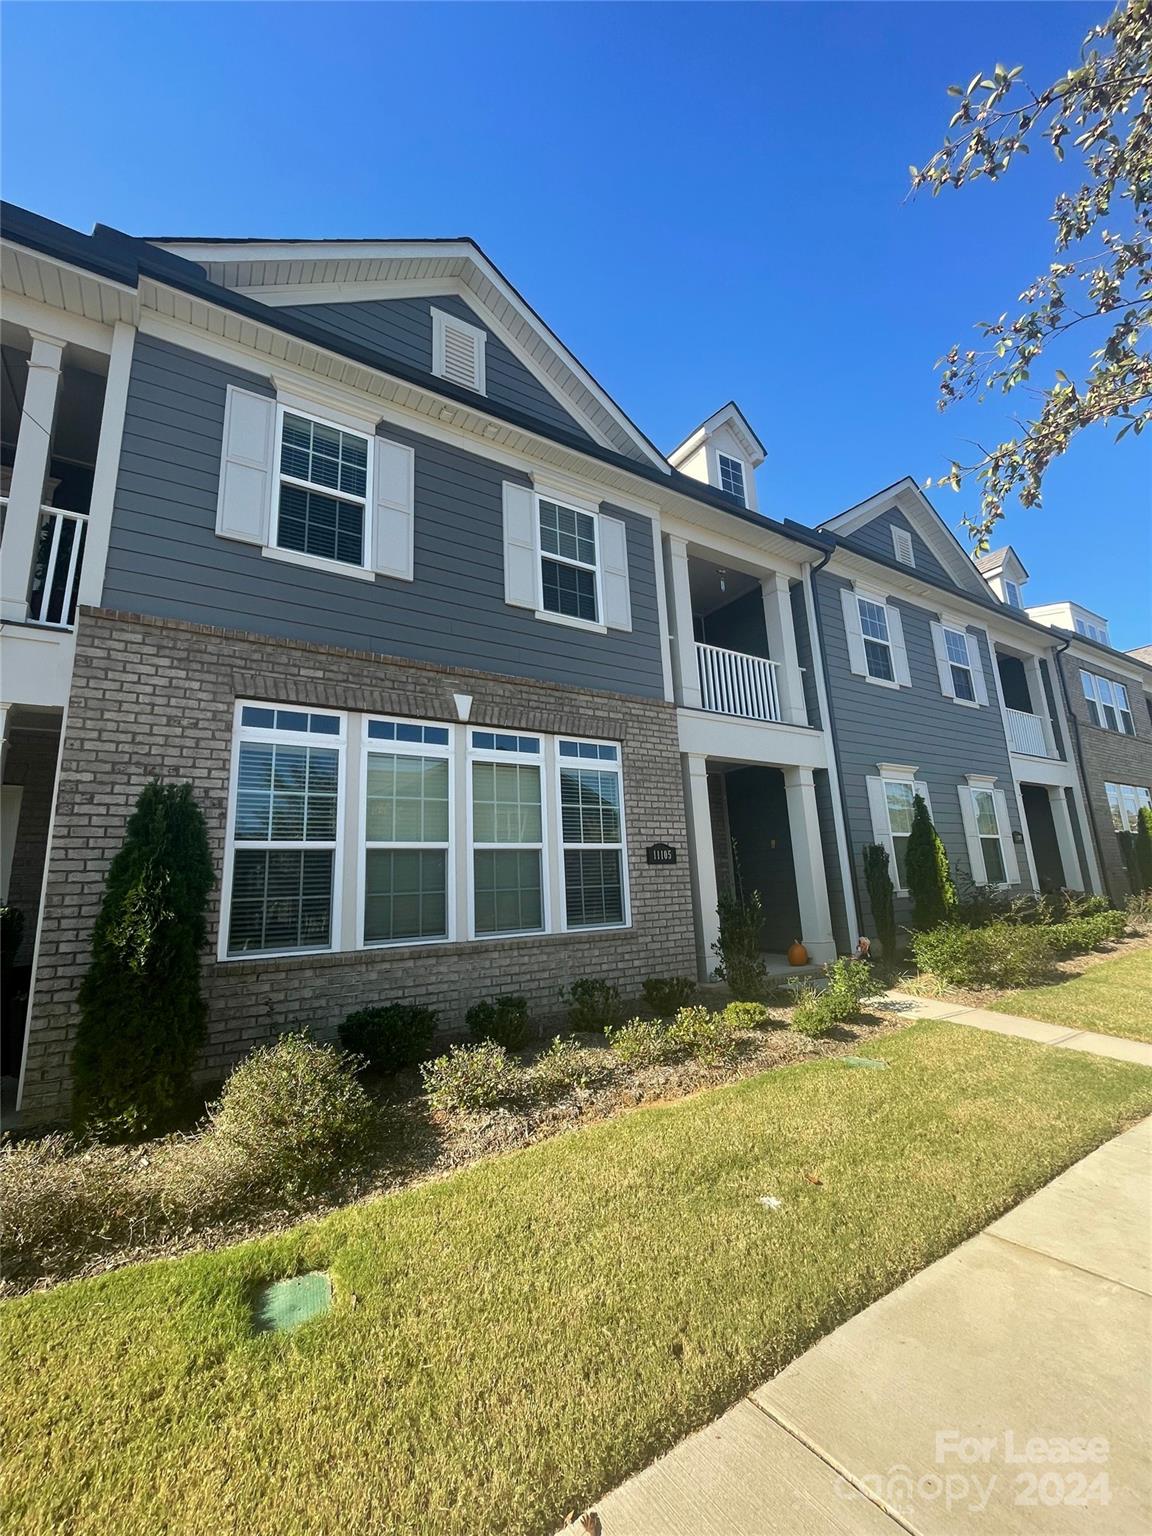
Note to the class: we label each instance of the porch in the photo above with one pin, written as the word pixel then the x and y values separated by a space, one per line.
pixel 1025 687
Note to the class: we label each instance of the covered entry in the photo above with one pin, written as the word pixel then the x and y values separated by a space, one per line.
pixel 1048 818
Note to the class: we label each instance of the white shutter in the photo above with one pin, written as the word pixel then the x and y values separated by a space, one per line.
pixel 856 657
pixel 976 657
pixel 899 654
pixel 972 835
pixel 881 832
pixel 521 549
pixel 943 665
pixel 244 502
pixel 614 573
pixel 1007 845
pixel 394 511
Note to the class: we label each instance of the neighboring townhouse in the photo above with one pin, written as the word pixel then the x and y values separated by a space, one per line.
pixel 342 534
pixel 1109 697
pixel 940 688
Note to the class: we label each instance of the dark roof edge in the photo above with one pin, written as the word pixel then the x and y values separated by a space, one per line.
pixel 111 253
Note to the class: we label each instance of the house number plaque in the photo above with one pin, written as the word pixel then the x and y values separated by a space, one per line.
pixel 661 853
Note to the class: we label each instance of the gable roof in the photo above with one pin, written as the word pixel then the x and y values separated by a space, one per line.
pixel 907 497
pixel 730 416
pixel 295 272
pixel 997 560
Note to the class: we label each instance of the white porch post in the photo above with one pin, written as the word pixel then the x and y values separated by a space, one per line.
pixel 107 464
pixel 1069 858
pixel 684 668
pixel 703 857
pixel 782 648
pixel 29 472
pixel 808 861
pixel 1039 701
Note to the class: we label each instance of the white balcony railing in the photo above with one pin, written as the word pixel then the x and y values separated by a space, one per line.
pixel 734 683
pixel 56 561
pixel 1027 734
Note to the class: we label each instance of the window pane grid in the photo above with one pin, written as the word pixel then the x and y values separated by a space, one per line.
pixel 324 456
pixel 731 476
pixel 281 899
pixel 592 837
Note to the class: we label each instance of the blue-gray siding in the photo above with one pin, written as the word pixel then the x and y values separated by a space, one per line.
pixel 165 558
pixel 401 330
pixel 875 538
pixel 916 725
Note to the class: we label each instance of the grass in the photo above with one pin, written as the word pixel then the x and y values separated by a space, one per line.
pixel 1112 998
pixel 508 1343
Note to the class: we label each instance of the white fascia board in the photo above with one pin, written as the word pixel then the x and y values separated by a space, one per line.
pixel 706 734
pixel 1053 771
pixel 716 535
pixel 729 416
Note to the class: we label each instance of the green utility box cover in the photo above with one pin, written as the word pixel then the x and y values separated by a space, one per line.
pixel 284 1304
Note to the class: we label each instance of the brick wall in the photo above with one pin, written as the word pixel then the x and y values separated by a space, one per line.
pixel 154 698
pixel 1108 758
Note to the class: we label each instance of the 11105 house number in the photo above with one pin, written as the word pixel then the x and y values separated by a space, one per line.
pixel 661 853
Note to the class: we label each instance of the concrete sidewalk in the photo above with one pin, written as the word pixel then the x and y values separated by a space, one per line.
pixel 950 1407
pixel 909 1006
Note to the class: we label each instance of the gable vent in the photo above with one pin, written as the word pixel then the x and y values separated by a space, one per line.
pixel 458 351
pixel 902 544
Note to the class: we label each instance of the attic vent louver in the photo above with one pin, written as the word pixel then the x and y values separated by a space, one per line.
pixel 458 351
pixel 902 544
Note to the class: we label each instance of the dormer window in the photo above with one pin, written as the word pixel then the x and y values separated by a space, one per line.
pixel 1092 631
pixel 902 546
pixel 732 477
pixel 458 351
pixel 1012 594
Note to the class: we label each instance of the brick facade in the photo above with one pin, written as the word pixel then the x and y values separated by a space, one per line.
pixel 1107 757
pixel 154 698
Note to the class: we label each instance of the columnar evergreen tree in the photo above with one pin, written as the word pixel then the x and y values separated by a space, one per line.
pixel 929 878
pixel 1143 849
pixel 880 896
pixel 141 1012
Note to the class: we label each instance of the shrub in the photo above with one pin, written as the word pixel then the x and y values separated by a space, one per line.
pixel 881 898
pixel 1080 934
pixel 740 946
pixel 926 863
pixel 141 1013
pixel 561 1068
pixel 594 1006
pixel 709 1036
pixel 643 1042
pixel 472 1078
pixel 1142 851
pixel 814 1014
pixel 503 1020
pixel 390 1038
pixel 295 1113
pixel 1139 906
pixel 748 1015
pixel 1000 955
pixel 665 994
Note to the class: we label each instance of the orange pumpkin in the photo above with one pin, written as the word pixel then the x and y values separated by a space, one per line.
pixel 797 954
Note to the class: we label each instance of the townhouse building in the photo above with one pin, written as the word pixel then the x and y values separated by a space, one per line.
pixel 478 691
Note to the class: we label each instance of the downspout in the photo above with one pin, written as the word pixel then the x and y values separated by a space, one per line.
pixel 1091 831
pixel 839 802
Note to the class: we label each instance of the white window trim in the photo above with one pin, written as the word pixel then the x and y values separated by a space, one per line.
pixel 442 322
pixel 1093 686
pixel 1142 795
pixel 524 759
pixel 368 746
pixel 867 597
pixel 594 626
pixel 249 733
pixel 285 406
pixel 957 629
pixel 985 783
pixel 562 847
pixel 899 773
pixel 731 458
pixel 1012 594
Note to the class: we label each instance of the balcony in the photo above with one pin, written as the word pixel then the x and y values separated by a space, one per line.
pixel 56 566
pixel 1027 734
pixel 735 683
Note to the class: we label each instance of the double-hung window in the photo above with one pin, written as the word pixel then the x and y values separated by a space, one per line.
pixel 988 831
pixel 407 832
pixel 591 833
pixel 732 477
pixel 1012 592
pixel 1125 802
pixel 569 568
pixel 507 834
pixel 960 664
pixel 877 640
pixel 322 492
pixel 1107 703
pixel 286 830
pixel 898 796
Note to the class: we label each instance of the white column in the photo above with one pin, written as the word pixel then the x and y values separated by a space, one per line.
pixel 1067 842
pixel 703 858
pixel 1095 876
pixel 782 648
pixel 1039 701
pixel 684 668
pixel 29 472
pixel 107 464
pixel 808 862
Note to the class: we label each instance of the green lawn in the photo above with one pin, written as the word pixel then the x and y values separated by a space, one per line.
pixel 1112 998
pixel 508 1343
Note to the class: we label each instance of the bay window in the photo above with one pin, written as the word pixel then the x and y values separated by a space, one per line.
pixel 432 831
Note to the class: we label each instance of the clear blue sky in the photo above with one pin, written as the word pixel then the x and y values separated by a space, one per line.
pixel 703 201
